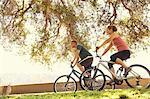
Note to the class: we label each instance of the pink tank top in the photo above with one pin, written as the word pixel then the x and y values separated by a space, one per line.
pixel 120 44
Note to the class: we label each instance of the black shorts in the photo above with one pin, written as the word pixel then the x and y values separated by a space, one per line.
pixel 87 63
pixel 123 55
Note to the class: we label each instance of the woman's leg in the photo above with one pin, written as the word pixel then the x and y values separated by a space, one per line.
pixel 116 58
pixel 113 71
pixel 111 68
pixel 122 55
pixel 127 69
pixel 120 62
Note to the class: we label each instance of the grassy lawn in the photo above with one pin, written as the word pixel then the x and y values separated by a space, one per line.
pixel 105 94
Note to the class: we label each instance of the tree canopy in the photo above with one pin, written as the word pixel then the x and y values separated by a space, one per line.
pixel 47 26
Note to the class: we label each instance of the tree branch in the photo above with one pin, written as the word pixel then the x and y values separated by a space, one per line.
pixel 114 14
pixel 130 11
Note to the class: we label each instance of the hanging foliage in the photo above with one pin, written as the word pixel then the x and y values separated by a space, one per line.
pixel 52 24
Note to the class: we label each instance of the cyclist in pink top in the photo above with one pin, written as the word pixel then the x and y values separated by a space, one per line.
pixel 123 49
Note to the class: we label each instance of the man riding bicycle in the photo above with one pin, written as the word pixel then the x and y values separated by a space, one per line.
pixel 81 53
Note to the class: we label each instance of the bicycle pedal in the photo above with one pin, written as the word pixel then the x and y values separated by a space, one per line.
pixel 86 78
pixel 90 88
pixel 110 83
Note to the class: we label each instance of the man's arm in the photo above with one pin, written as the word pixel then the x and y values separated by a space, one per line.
pixel 107 49
pixel 76 61
pixel 73 60
pixel 76 57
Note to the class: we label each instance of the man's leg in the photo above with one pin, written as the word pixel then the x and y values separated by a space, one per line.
pixel 82 69
pixel 87 65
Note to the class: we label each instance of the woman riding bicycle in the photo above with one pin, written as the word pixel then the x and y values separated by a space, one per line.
pixel 80 52
pixel 123 49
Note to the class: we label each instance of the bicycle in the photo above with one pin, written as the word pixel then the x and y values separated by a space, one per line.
pixel 133 78
pixel 67 82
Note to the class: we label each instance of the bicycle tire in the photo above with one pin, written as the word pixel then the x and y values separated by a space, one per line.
pixel 138 68
pixel 94 81
pixel 108 78
pixel 65 83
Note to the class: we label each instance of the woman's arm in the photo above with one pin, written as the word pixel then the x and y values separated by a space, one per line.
pixel 107 49
pixel 107 41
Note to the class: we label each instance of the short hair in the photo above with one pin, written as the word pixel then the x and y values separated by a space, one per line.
pixel 74 41
pixel 114 28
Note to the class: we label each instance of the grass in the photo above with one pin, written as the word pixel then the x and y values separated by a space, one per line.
pixel 105 94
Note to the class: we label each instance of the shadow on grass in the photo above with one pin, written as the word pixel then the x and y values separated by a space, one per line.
pixel 108 94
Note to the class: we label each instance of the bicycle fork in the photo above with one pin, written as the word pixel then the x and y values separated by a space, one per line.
pixel 135 75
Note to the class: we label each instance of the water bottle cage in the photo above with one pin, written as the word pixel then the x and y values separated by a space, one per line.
pixel 119 71
pixel 121 68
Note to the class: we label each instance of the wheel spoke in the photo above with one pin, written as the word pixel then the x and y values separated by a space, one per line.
pixel 95 81
pixel 109 86
pixel 138 76
pixel 65 83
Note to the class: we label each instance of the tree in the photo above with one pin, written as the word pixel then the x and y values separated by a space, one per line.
pixel 55 23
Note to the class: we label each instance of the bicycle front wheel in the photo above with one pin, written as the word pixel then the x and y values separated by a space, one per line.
pixel 138 76
pixel 109 86
pixel 92 79
pixel 65 83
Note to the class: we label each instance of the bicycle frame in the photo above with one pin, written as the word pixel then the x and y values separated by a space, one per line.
pixel 101 62
pixel 75 72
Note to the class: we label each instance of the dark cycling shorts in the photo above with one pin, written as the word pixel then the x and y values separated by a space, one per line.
pixel 123 55
pixel 87 63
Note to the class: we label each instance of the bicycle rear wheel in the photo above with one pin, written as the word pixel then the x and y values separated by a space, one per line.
pixel 65 83
pixel 139 76
pixel 95 81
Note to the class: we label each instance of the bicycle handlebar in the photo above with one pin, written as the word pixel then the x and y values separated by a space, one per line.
pixel 72 66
